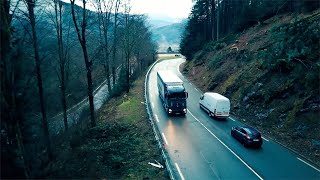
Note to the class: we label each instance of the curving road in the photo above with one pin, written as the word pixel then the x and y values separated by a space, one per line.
pixel 200 147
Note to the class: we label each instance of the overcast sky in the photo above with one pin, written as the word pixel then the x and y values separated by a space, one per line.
pixel 175 9
pixel 170 8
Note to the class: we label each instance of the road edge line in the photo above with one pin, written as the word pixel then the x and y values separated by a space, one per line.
pixel 155 128
pixel 308 164
pixel 250 168
pixel 179 171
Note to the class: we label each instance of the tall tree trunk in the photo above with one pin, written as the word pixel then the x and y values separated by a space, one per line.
pixel 31 5
pixel 128 73
pixel 10 109
pixel 106 54
pixel 127 52
pixel 101 36
pixel 213 20
pixel 218 20
pixel 62 60
pixel 114 47
pixel 22 150
pixel 88 63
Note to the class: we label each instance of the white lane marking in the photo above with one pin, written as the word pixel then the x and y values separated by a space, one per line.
pixel 178 68
pixel 179 171
pixel 196 89
pixel 227 147
pixel 156 117
pixel 308 164
pixel 165 139
pixel 190 83
pixel 152 105
pixel 232 119
pixel 265 139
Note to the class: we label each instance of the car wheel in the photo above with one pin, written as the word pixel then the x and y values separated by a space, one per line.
pixel 244 143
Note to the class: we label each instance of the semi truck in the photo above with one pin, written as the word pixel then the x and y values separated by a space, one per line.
pixel 172 93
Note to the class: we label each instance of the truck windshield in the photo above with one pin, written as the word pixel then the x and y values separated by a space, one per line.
pixel 177 95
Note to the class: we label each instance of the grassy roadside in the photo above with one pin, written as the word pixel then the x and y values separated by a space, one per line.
pixel 169 57
pixel 119 147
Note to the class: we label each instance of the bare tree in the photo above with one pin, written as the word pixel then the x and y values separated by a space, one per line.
pixel 31 5
pixel 114 47
pixel 127 43
pixel 82 39
pixel 62 59
pixel 11 115
pixel 104 24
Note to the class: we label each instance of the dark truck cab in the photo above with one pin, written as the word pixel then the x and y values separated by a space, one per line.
pixel 172 92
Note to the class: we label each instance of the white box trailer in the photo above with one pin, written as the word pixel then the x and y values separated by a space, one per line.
pixel 215 104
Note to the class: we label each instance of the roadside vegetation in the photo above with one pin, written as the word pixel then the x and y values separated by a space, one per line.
pixel 119 147
pixel 270 70
pixel 54 54
pixel 168 57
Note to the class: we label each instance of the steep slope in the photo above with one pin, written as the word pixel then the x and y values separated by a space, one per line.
pixel 271 73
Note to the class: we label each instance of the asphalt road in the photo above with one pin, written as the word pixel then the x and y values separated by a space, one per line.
pixel 200 147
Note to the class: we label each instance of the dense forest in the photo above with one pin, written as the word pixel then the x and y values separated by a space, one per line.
pixel 264 56
pixel 53 55
pixel 211 20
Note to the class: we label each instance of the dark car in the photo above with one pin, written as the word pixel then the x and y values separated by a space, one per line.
pixel 248 136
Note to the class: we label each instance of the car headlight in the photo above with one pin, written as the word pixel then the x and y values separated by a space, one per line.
pixel 170 110
pixel 184 110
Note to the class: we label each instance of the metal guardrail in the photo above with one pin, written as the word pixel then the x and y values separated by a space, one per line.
pixel 155 128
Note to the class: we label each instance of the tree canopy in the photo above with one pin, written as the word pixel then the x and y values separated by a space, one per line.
pixel 210 20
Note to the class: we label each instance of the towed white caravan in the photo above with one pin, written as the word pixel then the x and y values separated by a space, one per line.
pixel 215 104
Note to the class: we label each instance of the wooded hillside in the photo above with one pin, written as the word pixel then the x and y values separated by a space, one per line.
pixel 53 55
pixel 266 61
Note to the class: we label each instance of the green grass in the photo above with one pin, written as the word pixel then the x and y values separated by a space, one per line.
pixel 131 109
pixel 168 57
pixel 119 147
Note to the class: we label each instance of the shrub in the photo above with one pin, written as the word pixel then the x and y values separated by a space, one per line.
pixel 209 47
pixel 282 65
pixel 120 87
pixel 313 78
pixel 219 46
pixel 214 62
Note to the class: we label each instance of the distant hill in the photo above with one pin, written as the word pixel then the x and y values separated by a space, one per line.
pixel 169 35
pixel 157 23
